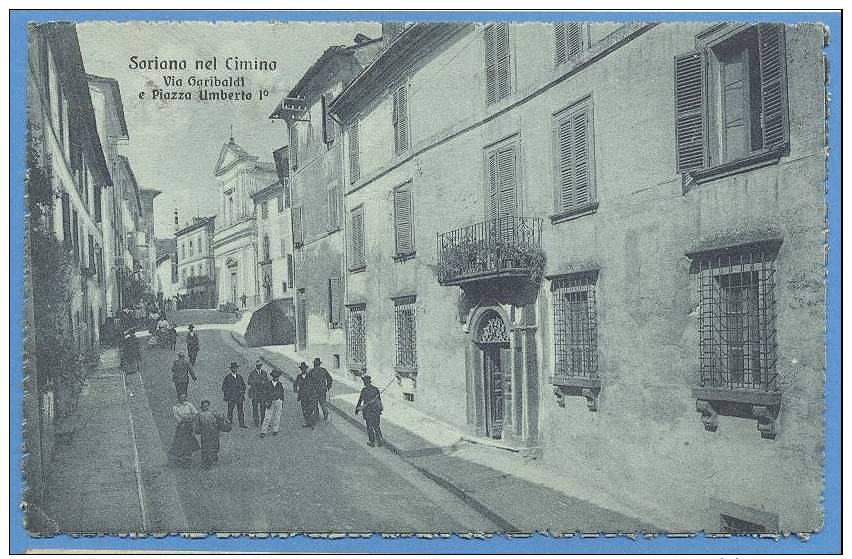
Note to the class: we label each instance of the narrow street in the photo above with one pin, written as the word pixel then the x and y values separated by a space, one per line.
pixel 322 480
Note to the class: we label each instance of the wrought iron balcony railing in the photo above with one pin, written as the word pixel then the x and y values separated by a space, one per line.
pixel 502 247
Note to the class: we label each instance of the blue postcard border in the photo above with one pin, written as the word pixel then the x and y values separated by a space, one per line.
pixel 827 541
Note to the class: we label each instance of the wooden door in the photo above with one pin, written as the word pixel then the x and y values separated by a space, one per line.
pixel 493 375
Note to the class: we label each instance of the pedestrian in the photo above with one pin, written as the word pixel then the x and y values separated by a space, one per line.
pixel 258 382
pixel 275 401
pixel 181 372
pixel 184 442
pixel 192 344
pixel 243 300
pixel 131 353
pixel 370 403
pixel 208 424
pixel 321 380
pixel 234 392
pixel 173 340
pixel 306 396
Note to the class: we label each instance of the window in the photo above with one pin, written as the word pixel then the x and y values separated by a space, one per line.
pixel 294 146
pixel 400 120
pixel 233 216
pixel 354 155
pixel 183 250
pixel 298 239
pixel 356 335
pixel 333 196
pixel 264 209
pixel 265 248
pixel 403 220
pixel 283 246
pixel 283 287
pixel 357 260
pixel 731 99
pixel 287 195
pixel 575 160
pixel 737 316
pixel 502 178
pixel 335 301
pixel 406 332
pixel 190 248
pixel 328 130
pixel 497 78
pixel 291 273
pixel 571 40
pixel 280 202
pixel 575 325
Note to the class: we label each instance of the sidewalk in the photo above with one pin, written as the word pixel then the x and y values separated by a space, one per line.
pixel 515 492
pixel 95 486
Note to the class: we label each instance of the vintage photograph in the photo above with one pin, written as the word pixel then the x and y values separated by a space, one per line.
pixel 425 277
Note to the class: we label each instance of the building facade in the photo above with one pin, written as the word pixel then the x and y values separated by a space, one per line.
pixel 636 296
pixel 147 267
pixel 238 174
pixel 315 162
pixel 195 264
pixel 274 242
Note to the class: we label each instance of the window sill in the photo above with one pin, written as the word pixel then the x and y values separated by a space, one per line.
pixel 404 257
pixel 356 269
pixel 762 405
pixel 574 214
pixel 755 161
pixel 332 230
pixel 407 372
pixel 566 385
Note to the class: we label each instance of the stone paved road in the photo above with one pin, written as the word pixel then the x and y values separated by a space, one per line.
pixel 325 480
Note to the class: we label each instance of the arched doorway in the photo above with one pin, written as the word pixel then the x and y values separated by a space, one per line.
pixel 492 341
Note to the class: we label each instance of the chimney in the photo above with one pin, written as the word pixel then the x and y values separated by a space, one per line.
pixel 176 221
pixel 390 31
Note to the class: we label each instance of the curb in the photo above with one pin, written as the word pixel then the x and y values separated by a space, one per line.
pixel 503 525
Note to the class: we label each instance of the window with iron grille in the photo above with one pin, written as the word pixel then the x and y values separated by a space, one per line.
pixel 575 325
pixel 356 335
pixel 497 74
pixel 737 316
pixel 571 40
pixel 400 119
pixel 335 302
pixel 406 332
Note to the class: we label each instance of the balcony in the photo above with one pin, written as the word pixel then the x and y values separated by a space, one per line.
pixel 505 247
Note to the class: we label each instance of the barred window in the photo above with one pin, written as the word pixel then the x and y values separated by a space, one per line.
pixel 356 335
pixel 406 332
pixel 737 316
pixel 575 325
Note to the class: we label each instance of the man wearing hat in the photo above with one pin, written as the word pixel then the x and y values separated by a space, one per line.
pixel 320 379
pixel 192 344
pixel 258 385
pixel 275 401
pixel 370 402
pixel 234 390
pixel 306 395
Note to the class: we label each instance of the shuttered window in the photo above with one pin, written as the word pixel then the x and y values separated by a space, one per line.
pixel 298 239
pixel 354 155
pixel 400 119
pixel 403 220
pixel 294 146
pixel 333 201
pixel 357 257
pixel 328 131
pixel 570 40
pixel 575 169
pixel 497 74
pixel 731 99
pixel 502 178
pixel 291 272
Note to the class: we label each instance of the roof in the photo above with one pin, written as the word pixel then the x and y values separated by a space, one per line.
pixel 197 222
pixel 389 66
pixel 273 188
pixel 112 85
pixel 351 55
pixel 165 247
pixel 129 172
pixel 237 153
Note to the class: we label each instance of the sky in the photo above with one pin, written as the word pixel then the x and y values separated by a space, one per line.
pixel 174 144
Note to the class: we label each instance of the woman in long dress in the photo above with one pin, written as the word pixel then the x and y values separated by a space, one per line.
pixel 208 424
pixel 184 443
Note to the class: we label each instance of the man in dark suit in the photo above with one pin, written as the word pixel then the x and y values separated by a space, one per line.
pixel 234 391
pixel 320 379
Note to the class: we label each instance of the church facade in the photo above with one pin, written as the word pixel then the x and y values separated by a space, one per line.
pixel 239 175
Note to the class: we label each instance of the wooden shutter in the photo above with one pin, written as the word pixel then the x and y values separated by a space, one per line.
pixel 400 120
pixel 294 146
pixel 582 166
pixel 297 227
pixel 403 225
pixel 493 187
pixel 773 85
pixel 501 52
pixel 358 252
pixel 575 154
pixel 561 55
pixel 490 66
pixel 332 208
pixel 354 155
pixel 334 301
pixel 690 113
pixel 506 175
pixel 327 120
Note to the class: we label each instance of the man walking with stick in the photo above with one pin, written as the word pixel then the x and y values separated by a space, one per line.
pixel 370 402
